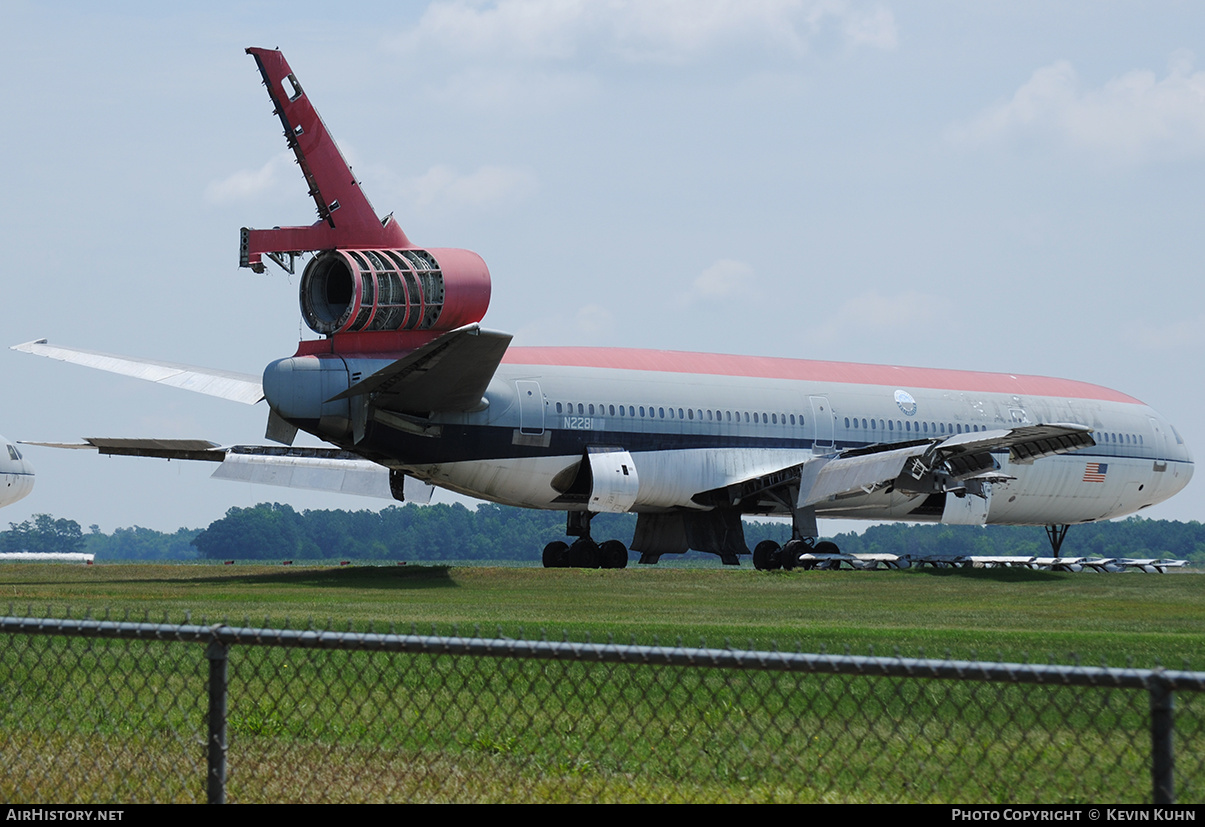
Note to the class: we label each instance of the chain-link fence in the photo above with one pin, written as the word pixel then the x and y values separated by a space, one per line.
pixel 103 711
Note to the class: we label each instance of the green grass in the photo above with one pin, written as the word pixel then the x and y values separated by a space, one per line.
pixel 100 720
pixel 95 720
pixel 1115 618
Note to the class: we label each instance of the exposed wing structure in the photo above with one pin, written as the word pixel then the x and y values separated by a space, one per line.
pixel 960 464
pixel 448 374
pixel 315 469
pixel 237 387
pixel 822 480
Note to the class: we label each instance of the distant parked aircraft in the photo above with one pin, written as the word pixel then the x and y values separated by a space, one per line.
pixel 16 473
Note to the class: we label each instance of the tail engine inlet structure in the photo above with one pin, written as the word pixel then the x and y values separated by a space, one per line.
pixel 368 277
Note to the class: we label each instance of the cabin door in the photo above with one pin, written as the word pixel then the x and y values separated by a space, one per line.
pixel 823 423
pixel 531 407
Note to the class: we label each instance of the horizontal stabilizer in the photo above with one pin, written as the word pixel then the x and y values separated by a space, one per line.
pixel 448 374
pixel 314 469
pixel 237 387
pixel 344 476
pixel 198 449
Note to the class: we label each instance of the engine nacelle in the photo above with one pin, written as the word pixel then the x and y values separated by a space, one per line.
pixel 354 291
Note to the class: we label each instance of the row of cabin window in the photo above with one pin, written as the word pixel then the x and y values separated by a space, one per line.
pixel 942 428
pixel 1120 439
pixel 679 413
pixel 909 426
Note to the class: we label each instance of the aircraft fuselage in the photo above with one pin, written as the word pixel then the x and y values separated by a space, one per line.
pixel 699 422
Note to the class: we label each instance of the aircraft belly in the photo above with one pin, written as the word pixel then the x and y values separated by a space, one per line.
pixel 670 479
pixel 667 479
pixel 523 481
pixel 879 505
pixel 15 487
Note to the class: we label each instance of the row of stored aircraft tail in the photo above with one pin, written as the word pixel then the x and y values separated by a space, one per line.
pixel 412 393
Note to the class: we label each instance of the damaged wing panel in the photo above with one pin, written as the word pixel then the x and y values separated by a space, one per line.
pixel 957 464
pixel 824 479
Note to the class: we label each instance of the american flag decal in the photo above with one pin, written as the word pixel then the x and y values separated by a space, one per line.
pixel 1095 471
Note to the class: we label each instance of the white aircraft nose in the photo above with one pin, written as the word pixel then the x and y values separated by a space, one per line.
pixel 16 473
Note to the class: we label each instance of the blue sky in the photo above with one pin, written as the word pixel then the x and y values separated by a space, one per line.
pixel 997 186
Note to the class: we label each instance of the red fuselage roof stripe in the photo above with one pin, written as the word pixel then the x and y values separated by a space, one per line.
pixel 765 367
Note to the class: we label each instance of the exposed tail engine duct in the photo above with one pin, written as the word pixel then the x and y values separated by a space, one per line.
pixel 353 291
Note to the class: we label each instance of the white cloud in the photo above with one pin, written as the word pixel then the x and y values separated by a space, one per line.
pixel 1169 336
pixel 1133 117
pixel 664 31
pixel 872 27
pixel 245 184
pixel 725 281
pixel 521 93
pixel 595 321
pixel 442 186
pixel 881 319
pixel 590 324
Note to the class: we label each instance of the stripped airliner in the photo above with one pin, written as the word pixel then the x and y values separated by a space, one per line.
pixel 414 393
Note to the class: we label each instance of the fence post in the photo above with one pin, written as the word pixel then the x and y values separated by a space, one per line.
pixel 216 653
pixel 1163 761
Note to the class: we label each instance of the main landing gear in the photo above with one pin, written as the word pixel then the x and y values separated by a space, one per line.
pixel 769 556
pixel 584 553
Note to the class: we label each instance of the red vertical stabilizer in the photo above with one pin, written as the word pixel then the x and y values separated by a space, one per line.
pixel 345 217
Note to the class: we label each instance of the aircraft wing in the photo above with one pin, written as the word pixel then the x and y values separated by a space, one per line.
pixel 962 463
pixel 315 469
pixel 450 373
pixel 238 387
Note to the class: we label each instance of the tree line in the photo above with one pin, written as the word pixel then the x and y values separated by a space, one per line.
pixel 271 531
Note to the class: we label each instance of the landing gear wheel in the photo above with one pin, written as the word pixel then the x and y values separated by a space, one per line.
pixel 613 555
pixel 826 547
pixel 583 554
pixel 765 556
pixel 555 555
pixel 789 556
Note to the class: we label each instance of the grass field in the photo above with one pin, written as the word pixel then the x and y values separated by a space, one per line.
pixel 1125 618
pixel 346 726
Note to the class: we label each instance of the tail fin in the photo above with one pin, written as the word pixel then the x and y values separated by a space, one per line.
pixel 345 217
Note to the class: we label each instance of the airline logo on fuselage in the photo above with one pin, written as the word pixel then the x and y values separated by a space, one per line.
pixel 906 402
